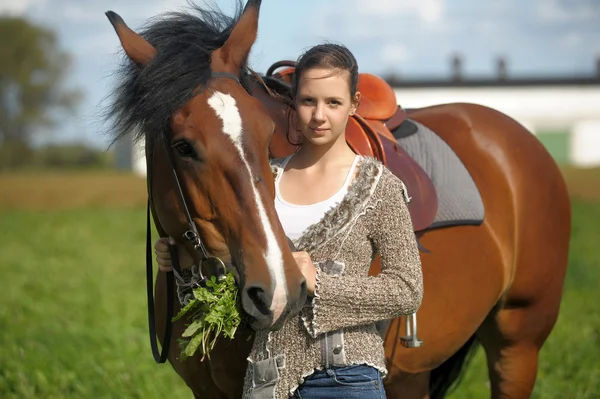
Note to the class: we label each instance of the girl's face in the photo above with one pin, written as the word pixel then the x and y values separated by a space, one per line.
pixel 323 104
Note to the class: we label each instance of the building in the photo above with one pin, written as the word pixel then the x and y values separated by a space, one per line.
pixel 563 112
pixel 130 156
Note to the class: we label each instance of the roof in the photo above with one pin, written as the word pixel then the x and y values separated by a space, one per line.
pixel 495 82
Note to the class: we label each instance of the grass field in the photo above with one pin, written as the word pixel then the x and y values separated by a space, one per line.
pixel 73 309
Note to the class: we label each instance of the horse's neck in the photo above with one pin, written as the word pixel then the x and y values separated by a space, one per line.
pixel 282 115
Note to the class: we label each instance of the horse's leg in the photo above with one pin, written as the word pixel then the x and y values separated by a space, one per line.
pixel 512 365
pixel 512 338
pixel 514 334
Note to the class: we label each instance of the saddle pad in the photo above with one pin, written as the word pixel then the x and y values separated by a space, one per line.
pixel 459 200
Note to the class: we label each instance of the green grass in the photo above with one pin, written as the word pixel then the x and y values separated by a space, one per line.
pixel 73 311
pixel 73 316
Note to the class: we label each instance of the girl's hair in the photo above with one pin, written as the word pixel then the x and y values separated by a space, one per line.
pixel 327 56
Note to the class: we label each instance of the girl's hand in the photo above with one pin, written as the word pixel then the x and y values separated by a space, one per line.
pixel 308 269
pixel 163 256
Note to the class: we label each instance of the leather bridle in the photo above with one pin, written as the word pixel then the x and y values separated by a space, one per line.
pixel 191 235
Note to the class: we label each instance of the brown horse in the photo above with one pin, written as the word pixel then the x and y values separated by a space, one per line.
pixel 210 184
pixel 498 283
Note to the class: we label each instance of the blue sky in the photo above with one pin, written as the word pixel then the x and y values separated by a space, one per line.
pixel 407 37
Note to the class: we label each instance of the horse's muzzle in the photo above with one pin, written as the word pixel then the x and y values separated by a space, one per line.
pixel 257 302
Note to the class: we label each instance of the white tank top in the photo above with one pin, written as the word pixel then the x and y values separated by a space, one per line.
pixel 296 218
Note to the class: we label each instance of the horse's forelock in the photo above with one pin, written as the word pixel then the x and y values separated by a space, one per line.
pixel 146 98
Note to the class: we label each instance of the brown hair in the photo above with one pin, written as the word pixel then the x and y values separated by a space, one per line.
pixel 326 56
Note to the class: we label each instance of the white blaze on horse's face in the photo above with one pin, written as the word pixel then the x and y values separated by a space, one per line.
pixel 226 109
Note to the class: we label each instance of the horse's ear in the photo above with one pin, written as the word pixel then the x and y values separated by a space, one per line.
pixel 137 49
pixel 236 49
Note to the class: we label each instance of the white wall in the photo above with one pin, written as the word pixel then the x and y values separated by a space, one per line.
pixel 572 108
pixel 139 159
pixel 554 107
pixel 585 143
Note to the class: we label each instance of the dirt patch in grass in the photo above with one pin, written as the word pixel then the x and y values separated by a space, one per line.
pixel 69 190
pixel 583 184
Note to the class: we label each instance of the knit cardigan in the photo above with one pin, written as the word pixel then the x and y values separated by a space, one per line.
pixel 372 218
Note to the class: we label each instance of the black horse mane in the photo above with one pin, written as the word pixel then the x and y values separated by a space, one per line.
pixel 146 98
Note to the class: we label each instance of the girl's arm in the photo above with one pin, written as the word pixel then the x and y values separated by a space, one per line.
pixel 342 301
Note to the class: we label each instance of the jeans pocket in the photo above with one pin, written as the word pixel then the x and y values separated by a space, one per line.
pixel 357 376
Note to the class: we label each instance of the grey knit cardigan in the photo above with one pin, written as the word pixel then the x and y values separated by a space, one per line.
pixel 337 325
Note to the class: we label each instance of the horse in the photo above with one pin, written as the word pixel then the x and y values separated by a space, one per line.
pixel 497 283
pixel 184 91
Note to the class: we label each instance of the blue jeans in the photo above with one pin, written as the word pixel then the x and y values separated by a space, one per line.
pixel 356 381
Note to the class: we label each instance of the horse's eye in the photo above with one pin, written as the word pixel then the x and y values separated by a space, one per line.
pixel 185 149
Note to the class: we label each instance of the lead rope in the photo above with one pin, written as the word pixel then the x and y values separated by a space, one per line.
pixel 159 357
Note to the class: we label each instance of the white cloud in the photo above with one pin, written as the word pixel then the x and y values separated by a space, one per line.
pixel 557 11
pixel 81 12
pixel 570 40
pixel 17 7
pixel 101 44
pixel 429 11
pixel 90 12
pixel 392 53
pixel 488 27
pixel 376 19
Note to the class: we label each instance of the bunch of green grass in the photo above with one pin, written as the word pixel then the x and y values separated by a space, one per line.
pixel 214 311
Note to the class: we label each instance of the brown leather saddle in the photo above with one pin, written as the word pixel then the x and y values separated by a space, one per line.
pixel 368 133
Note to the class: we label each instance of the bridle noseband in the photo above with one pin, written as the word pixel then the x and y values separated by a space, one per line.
pixel 191 235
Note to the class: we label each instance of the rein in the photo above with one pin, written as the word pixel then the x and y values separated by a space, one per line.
pixel 190 235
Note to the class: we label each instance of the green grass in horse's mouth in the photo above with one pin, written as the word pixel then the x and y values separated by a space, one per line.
pixel 214 311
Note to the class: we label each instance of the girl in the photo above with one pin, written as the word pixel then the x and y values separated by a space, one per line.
pixel 339 209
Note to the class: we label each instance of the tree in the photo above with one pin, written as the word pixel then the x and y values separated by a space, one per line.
pixel 32 86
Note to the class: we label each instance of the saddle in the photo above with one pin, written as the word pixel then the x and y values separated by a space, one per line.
pixel 368 133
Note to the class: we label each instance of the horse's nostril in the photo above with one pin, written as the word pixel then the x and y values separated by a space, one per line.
pixel 260 299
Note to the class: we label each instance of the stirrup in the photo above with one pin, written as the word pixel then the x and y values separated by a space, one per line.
pixel 411 340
